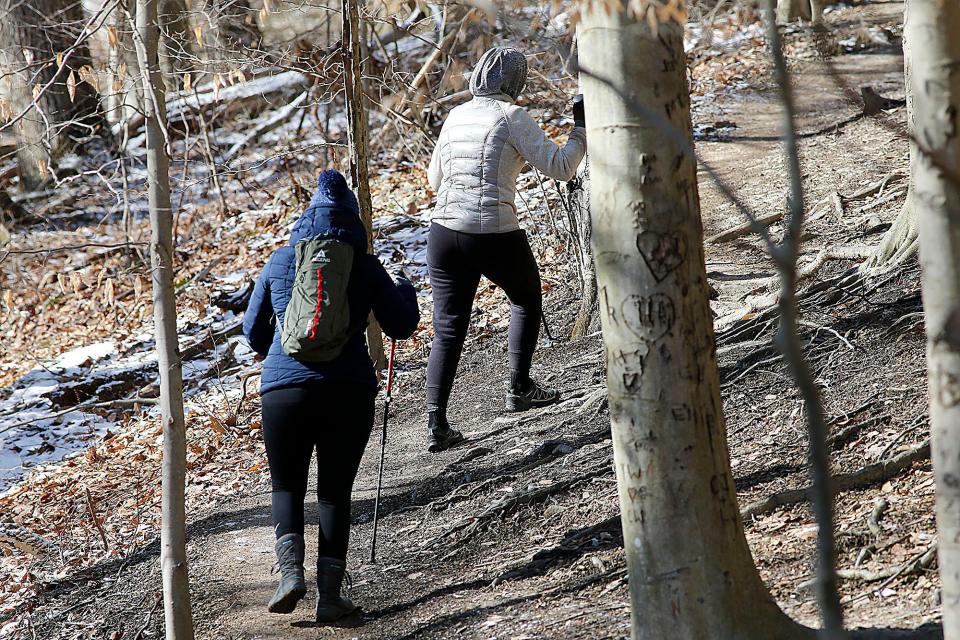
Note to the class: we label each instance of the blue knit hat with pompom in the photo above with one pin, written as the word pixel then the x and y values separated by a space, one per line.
pixel 332 189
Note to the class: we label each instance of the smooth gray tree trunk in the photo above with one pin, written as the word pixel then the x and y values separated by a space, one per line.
pixel 691 572
pixel 792 10
pixel 173 536
pixel 935 170
pixel 357 141
pixel 900 242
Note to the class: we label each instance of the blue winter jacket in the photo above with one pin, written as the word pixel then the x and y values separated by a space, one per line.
pixel 332 211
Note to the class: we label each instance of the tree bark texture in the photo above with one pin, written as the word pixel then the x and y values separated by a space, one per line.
pixel 32 34
pixel 173 537
pixel 581 229
pixel 792 10
pixel 900 241
pixel 176 42
pixel 691 572
pixel 124 90
pixel 230 33
pixel 357 143
pixel 935 85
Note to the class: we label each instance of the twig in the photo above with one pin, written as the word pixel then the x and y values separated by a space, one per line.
pixel 74 247
pixel 873 520
pixel 139 634
pixel 788 337
pixel 96 521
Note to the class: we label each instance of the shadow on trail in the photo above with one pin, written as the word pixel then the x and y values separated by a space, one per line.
pixel 444 622
pixel 929 631
pixel 766 474
pixel 575 544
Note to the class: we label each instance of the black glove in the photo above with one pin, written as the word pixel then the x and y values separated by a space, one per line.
pixel 579 118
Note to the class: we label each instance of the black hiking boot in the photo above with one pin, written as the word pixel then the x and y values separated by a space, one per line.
pixel 292 586
pixel 441 436
pixel 331 606
pixel 521 397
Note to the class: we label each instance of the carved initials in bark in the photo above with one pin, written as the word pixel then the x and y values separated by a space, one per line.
pixel 649 317
pixel 662 252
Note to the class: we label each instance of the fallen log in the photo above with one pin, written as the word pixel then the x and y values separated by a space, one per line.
pixel 743 229
pixel 276 119
pixel 183 106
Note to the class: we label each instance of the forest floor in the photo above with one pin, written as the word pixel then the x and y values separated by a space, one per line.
pixel 515 534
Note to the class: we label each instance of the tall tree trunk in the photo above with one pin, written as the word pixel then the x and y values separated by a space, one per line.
pixel 230 33
pixel 173 537
pixel 176 42
pixel 124 91
pixel 792 10
pixel 32 34
pixel 357 139
pixel 900 242
pixel 691 572
pixel 935 83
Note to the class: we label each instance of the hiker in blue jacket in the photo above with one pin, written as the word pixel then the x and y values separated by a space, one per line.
pixel 323 405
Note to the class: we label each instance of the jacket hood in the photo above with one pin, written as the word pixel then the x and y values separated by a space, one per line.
pixel 501 70
pixel 333 211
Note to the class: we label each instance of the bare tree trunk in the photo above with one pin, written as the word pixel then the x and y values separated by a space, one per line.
pixel 580 226
pixel 691 572
pixel 792 10
pixel 935 84
pixel 32 34
pixel 230 33
pixel 173 537
pixel 124 91
pixel 357 139
pixel 786 257
pixel 900 242
pixel 176 48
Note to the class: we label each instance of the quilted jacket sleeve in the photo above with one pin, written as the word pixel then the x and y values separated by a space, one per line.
pixel 536 148
pixel 435 172
pixel 258 320
pixel 394 304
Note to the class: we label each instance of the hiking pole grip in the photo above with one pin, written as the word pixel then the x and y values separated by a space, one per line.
pixel 393 352
pixel 383 446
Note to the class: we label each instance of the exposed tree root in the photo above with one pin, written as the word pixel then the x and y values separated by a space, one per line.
pixel 844 435
pixel 473 525
pixel 899 244
pixel 571 546
pixel 915 564
pixel 868 475
pixel 806 272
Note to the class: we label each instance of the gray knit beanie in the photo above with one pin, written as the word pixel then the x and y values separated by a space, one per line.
pixel 500 70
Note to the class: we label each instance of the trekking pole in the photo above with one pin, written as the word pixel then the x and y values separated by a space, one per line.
pixel 546 327
pixel 383 446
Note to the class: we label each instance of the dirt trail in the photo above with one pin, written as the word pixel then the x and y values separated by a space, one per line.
pixel 411 594
pixel 515 533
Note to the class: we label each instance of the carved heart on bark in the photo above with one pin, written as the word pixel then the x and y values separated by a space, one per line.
pixel 662 252
pixel 649 317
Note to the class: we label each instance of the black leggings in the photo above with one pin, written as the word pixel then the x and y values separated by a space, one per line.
pixel 456 261
pixel 336 420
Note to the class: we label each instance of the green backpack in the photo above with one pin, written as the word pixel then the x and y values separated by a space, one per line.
pixel 316 324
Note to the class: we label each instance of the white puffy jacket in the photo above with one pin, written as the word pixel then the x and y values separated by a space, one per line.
pixel 482 147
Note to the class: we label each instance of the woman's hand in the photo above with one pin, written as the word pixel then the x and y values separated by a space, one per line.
pixel 579 117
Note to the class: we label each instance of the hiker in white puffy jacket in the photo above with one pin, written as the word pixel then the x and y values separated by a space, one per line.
pixel 475 232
